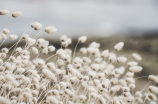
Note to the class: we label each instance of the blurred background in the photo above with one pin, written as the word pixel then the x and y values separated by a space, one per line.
pixel 135 22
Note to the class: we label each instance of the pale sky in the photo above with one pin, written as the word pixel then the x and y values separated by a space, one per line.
pixel 88 17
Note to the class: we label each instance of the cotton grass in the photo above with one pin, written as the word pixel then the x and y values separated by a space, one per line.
pixel 68 76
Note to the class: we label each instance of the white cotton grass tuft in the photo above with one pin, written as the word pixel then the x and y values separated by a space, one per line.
pixel 63 38
pixel 50 29
pixel 34 24
pixel 34 50
pixel 3 36
pixel 136 57
pixel 119 46
pixel 13 37
pixel 153 89
pixel 51 48
pixel 135 69
pixel 5 50
pixel 153 78
pixel 6 31
pixel 121 59
pixel 16 14
pixel 105 53
pixel 82 39
pixel 47 73
pixel 4 12
pixel 39 73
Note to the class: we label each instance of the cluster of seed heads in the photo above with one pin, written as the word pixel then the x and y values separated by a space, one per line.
pixel 87 76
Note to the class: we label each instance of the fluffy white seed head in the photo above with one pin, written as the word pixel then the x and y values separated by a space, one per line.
pixel 114 81
pixel 138 100
pixel 71 70
pixel 6 31
pixel 3 36
pixel 34 50
pixel 122 82
pixel 86 60
pixel 44 44
pixel 82 39
pixel 90 50
pixel 135 69
pixel 114 89
pixel 9 78
pixel 153 89
pixel 82 97
pixel 92 74
pixel 153 78
pixel 126 89
pixel 45 50
pixel 132 86
pixel 50 29
pixel 34 24
pixel 12 59
pixel 130 80
pixel 18 49
pixel 119 46
pixel 4 12
pixel 65 44
pixel 105 53
pixel 126 94
pixel 136 57
pixel 51 65
pixel 39 62
pixel 83 50
pixel 60 63
pixel 25 52
pixel 132 63
pixel 118 71
pixel 69 40
pixel 98 60
pixel 13 37
pixel 94 45
pixel 112 57
pixel 51 48
pixel 129 74
pixel 63 38
pixel 52 100
pixel 20 70
pixel 47 73
pixel 35 93
pixel 121 59
pixel 38 26
pixel 27 95
pixel 24 36
pixel 3 55
pixel 95 67
pixel 151 96
pixel 16 14
pixel 5 50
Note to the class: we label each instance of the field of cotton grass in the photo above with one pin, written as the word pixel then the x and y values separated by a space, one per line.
pixel 85 75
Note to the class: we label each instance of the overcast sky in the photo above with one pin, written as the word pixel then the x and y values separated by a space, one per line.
pixel 88 17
